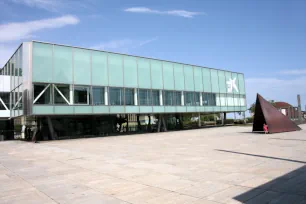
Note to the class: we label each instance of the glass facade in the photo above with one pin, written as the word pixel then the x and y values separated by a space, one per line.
pixel 63 80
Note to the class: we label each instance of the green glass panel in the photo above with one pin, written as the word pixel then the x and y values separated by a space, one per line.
pixel 241 84
pixel 179 78
pixel 115 70
pixel 224 109
pixel 214 81
pixel 116 109
pixel 130 71
pixel 101 109
pixel 236 80
pixel 170 109
pixel 132 109
pixel 145 109
pixel 99 68
pixel 198 82
pixel 158 109
pixel 180 109
pixel 42 110
pixel 81 66
pixel 42 62
pixel 206 79
pixel 168 76
pixel 222 81
pixel 62 64
pixel 82 109
pixel 191 109
pixel 156 74
pixel 144 73
pixel 63 109
pixel 189 81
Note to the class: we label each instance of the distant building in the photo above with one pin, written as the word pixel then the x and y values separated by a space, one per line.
pixel 287 109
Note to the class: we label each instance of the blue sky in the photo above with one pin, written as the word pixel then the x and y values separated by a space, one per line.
pixel 265 40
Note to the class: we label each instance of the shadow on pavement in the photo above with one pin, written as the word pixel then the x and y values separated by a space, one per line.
pixel 262 156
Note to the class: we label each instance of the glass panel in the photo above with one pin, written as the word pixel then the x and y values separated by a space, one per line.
pixel 189 99
pixel 236 100
pixel 242 100
pixel 115 96
pixel 81 95
pixel 168 76
pixel 179 77
pixel 222 82
pixel 189 81
pixel 178 98
pixel 42 62
pixel 145 98
pixel 214 81
pixel 197 98
pixel 144 73
pixel 156 74
pixel 129 97
pixel 65 90
pixel 63 64
pixel 45 98
pixel 155 97
pixel 198 82
pixel 210 99
pixel 98 95
pixel 240 83
pixel 130 71
pixel 168 98
pixel 223 99
pixel 81 66
pixel 99 68
pixel 230 100
pixel 115 70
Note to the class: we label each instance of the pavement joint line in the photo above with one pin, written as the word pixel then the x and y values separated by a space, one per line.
pixel 31 185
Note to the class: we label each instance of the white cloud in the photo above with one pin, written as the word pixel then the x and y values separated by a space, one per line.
pixel 50 5
pixel 6 51
pixel 23 30
pixel 123 45
pixel 293 72
pixel 148 41
pixel 276 89
pixel 181 13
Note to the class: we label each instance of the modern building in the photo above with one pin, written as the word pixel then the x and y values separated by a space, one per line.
pixel 67 91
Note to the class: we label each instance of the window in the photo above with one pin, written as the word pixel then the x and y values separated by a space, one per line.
pixel 116 96
pixel 155 98
pixel 230 99
pixel 61 94
pixel 197 98
pixel 177 98
pixel 98 95
pixel 5 100
pixel 189 99
pixel 129 97
pixel 42 94
pixel 209 99
pixel 144 97
pixel 168 98
pixel 81 95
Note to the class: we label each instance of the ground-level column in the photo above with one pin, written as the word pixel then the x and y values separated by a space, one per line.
pixel 199 120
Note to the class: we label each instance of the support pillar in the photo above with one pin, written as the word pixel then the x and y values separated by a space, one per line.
pixel 159 123
pixel 164 124
pixel 199 120
pixel 51 129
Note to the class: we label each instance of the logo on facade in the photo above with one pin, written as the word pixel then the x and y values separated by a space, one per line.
pixel 231 84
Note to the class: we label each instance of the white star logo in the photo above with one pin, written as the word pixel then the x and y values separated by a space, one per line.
pixel 231 84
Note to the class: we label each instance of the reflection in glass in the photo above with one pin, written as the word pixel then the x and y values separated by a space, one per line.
pixel 81 95
pixel 189 99
pixel 129 97
pixel 116 96
pixel 197 98
pixel 98 95
pixel 64 90
pixel 41 97
pixel 178 98
pixel 168 98
pixel 155 97
pixel 144 96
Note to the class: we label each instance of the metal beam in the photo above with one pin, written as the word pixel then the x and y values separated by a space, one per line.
pixel 43 91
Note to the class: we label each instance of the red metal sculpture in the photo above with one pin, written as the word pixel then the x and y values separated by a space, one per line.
pixel 266 113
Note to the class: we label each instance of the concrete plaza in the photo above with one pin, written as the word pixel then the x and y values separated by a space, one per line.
pixel 213 165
